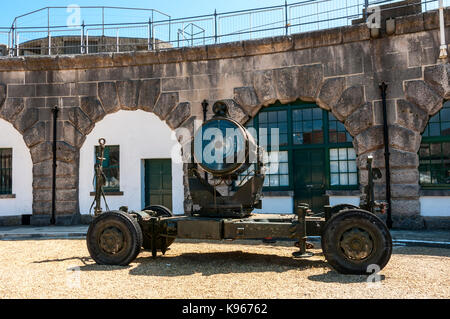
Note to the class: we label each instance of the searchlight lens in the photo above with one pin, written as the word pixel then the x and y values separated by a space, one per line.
pixel 220 146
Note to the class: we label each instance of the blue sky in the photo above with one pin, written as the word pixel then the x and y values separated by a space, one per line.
pixel 175 8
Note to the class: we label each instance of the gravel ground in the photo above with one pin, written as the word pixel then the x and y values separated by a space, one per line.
pixel 200 270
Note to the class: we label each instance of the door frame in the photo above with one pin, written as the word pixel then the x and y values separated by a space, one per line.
pixel 146 180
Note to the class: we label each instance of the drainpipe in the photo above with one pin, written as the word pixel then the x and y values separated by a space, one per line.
pixel 443 50
pixel 383 88
pixel 55 118
pixel 205 105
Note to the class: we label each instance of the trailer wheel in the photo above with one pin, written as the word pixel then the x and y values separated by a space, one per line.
pixel 353 240
pixel 114 238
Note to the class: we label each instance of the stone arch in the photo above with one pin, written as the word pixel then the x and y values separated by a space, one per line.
pixel 307 83
pixel 349 105
pixel 21 200
pixel 115 96
pixel 141 127
pixel 23 115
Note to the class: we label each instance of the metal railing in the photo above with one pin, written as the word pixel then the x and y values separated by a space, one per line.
pixel 48 32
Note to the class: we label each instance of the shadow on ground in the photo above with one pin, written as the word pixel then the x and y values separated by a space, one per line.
pixel 334 277
pixel 207 264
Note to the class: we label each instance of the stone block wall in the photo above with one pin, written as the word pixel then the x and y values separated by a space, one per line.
pixel 339 69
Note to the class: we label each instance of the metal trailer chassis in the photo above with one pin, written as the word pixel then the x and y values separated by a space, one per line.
pixel 352 239
pixel 257 227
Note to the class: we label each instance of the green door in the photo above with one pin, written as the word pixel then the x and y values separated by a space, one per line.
pixel 158 183
pixel 309 178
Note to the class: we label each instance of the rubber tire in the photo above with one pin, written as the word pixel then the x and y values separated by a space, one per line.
pixel 339 224
pixel 160 210
pixel 131 231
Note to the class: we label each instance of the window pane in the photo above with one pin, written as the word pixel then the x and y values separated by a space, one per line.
pixel 298 139
pixel 352 167
pixel 435 129
pixel 274 181
pixel 284 157
pixel 284 140
pixel 111 167
pixel 344 179
pixel 283 127
pixel 307 115
pixel 297 115
pixel 317 114
pixel 334 179
pixel 334 155
pixel 351 154
pixel 337 131
pixel 308 126
pixel 284 168
pixel 277 169
pixel 5 171
pixel 353 179
pixel 284 180
pixel 263 117
pixel 445 129
pixel 282 116
pixel 445 115
pixel 334 167
pixel 343 167
pixel 434 164
pixel 318 125
pixel 273 118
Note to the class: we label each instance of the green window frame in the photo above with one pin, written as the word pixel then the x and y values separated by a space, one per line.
pixel 6 171
pixel 308 127
pixel 111 168
pixel 434 153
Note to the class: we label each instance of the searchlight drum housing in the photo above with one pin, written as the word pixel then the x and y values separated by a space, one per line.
pixel 222 146
pixel 224 149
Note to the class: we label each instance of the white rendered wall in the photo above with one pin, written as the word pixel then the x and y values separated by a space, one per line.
pixel 140 135
pixel 352 200
pixel 435 206
pixel 22 173
pixel 276 205
pixel 284 205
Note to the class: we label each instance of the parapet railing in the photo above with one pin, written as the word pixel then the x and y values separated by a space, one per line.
pixel 80 30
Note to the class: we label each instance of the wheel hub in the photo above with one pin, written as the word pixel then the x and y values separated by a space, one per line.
pixel 356 244
pixel 112 241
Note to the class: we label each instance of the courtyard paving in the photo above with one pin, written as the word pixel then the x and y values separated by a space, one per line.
pixel 198 270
